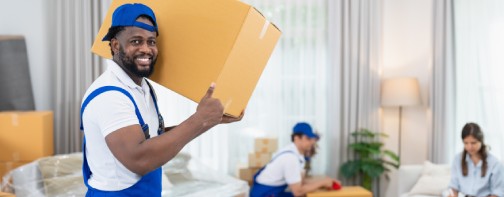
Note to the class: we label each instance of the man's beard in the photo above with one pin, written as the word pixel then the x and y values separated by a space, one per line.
pixel 129 64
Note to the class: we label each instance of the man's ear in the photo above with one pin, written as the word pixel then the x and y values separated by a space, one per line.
pixel 114 45
pixel 299 137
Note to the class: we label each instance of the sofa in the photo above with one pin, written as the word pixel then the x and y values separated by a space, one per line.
pixel 427 180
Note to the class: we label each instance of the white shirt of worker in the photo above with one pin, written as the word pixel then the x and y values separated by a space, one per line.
pixel 107 113
pixel 285 169
pixel 475 185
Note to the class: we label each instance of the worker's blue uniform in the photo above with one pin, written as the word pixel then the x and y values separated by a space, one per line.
pixel 149 184
pixel 261 190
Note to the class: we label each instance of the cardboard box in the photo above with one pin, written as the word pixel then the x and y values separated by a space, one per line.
pixel 266 145
pixel 345 191
pixel 258 159
pixel 247 174
pixel 3 194
pixel 6 167
pixel 202 41
pixel 26 136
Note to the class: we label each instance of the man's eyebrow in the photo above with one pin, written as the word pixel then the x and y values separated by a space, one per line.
pixel 141 37
pixel 135 37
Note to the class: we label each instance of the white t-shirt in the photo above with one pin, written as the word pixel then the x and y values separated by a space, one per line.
pixel 107 113
pixel 287 168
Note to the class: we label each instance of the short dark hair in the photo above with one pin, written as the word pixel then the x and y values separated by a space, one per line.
pixel 296 134
pixel 113 31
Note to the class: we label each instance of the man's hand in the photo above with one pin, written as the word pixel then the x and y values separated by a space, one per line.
pixel 230 119
pixel 328 182
pixel 452 193
pixel 210 110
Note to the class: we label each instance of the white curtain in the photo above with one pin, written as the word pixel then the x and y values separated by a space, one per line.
pixel 479 45
pixel 292 88
pixel 442 87
pixel 74 24
pixel 354 74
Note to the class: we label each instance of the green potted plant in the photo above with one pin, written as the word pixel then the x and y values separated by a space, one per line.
pixel 369 160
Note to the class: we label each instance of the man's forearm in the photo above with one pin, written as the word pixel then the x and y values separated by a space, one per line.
pixel 156 151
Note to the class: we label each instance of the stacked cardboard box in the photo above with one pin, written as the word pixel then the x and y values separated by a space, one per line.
pixel 266 145
pixel 247 174
pixel 3 194
pixel 263 150
pixel 24 137
pixel 257 160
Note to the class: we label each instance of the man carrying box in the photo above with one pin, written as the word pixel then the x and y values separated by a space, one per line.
pixel 286 168
pixel 126 142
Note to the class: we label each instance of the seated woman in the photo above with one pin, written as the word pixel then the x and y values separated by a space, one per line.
pixel 476 172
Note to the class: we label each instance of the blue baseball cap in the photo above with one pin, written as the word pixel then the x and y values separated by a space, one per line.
pixel 127 15
pixel 305 129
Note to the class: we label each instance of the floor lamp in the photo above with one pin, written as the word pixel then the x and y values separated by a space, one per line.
pixel 400 92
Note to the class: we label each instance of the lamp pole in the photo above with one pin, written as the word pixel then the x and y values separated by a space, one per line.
pixel 400 126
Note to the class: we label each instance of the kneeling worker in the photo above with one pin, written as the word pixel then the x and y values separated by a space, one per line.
pixel 286 168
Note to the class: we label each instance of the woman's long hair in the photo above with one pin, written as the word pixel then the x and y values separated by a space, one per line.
pixel 473 129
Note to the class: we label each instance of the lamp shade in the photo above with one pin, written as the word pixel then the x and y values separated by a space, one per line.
pixel 400 92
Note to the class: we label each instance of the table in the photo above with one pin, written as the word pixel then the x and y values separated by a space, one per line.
pixel 345 191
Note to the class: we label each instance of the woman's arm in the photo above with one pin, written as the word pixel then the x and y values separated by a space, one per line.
pixel 497 181
pixel 454 180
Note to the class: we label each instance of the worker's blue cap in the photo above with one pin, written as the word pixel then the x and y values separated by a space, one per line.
pixel 305 129
pixel 127 15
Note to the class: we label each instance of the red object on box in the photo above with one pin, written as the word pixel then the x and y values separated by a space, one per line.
pixel 336 186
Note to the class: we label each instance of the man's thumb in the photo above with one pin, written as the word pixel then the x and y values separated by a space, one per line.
pixel 210 90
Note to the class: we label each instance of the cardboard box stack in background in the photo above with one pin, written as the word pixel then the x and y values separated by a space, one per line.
pixel 3 194
pixel 24 137
pixel 247 174
pixel 266 145
pixel 263 150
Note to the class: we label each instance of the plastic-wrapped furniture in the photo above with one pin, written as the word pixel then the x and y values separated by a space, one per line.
pixel 61 176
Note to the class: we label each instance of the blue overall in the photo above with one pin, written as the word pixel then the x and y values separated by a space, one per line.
pixel 149 184
pixel 260 190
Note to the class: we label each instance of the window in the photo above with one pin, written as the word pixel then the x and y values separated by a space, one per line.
pixel 479 52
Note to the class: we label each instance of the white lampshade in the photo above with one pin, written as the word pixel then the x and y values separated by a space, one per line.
pixel 400 92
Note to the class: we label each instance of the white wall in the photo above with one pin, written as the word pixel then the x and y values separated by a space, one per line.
pixel 29 18
pixel 407 51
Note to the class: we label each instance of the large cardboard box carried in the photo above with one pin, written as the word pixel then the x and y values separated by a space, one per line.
pixel 258 159
pixel 265 145
pixel 26 136
pixel 203 41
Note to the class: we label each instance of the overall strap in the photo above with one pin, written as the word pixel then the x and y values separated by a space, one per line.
pixel 160 118
pixel 95 93
pixel 86 171
pixel 153 94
